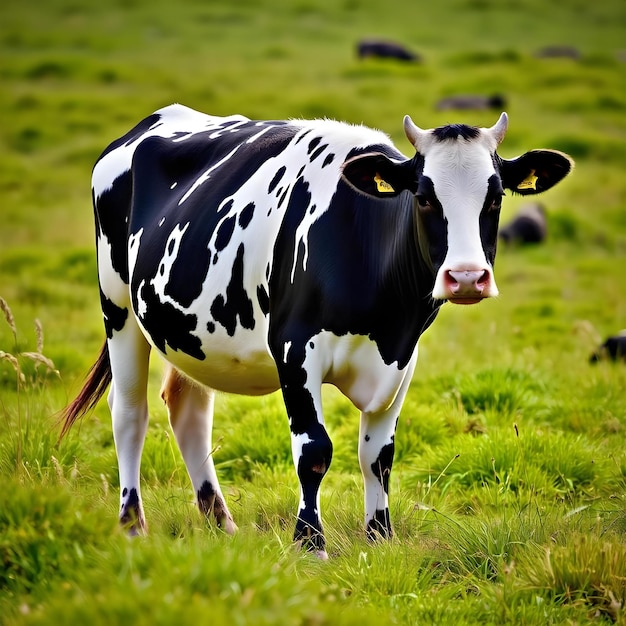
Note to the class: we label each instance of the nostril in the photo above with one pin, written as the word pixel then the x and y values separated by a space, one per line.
pixel 451 282
pixel 482 282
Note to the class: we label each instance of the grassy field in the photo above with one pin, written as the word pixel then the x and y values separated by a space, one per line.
pixel 509 486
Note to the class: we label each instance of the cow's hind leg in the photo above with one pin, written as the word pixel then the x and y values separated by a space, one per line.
pixel 190 409
pixel 129 353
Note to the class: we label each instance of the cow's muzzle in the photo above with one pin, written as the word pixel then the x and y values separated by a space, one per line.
pixel 467 286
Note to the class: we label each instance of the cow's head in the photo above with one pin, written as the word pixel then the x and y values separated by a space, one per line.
pixel 458 181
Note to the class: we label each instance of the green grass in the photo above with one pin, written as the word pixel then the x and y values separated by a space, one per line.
pixel 509 488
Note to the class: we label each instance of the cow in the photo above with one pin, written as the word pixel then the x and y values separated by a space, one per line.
pixel 558 51
pixel 263 255
pixel 379 49
pixel 471 102
pixel 613 349
pixel 527 226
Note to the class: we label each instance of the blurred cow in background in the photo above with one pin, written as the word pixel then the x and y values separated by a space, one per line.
pixel 613 349
pixel 558 52
pixel 471 102
pixel 375 48
pixel 527 226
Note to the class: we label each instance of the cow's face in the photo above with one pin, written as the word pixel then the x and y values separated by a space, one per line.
pixel 458 181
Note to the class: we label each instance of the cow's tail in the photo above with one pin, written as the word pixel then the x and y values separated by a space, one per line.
pixel 98 380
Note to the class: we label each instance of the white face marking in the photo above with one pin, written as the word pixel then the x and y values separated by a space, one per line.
pixel 286 349
pixel 460 171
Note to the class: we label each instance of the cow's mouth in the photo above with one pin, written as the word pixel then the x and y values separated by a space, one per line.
pixel 465 300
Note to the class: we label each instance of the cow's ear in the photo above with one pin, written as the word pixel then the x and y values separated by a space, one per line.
pixel 535 171
pixel 375 175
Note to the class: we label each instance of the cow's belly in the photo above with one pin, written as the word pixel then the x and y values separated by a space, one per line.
pixel 240 364
pixel 251 374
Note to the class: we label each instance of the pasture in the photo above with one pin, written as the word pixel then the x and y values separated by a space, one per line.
pixel 508 493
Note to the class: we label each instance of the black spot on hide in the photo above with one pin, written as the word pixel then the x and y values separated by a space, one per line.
pixel 317 152
pixel 237 304
pixel 279 174
pixel 303 135
pixel 313 144
pixel 114 316
pixel 328 160
pixel 263 299
pixel 282 198
pixel 112 210
pixel 381 467
pixel 226 207
pixel 224 233
pixel 166 324
pixel 245 217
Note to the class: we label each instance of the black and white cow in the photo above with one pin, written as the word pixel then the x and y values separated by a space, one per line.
pixel 471 102
pixel 258 255
pixel 528 225
pixel 613 349
pixel 378 49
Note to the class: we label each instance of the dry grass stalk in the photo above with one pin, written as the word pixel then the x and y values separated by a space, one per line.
pixel 37 357
pixel 57 468
pixel 14 362
pixel 39 335
pixel 8 316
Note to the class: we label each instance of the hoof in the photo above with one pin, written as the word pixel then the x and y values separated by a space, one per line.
pixel 133 531
pixel 228 526
pixel 132 518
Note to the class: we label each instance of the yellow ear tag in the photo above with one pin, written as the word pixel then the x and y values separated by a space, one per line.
pixel 382 185
pixel 530 182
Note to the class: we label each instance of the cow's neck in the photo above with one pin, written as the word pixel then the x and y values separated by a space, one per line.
pixel 406 279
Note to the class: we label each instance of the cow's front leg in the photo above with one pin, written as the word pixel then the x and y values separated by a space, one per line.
pixel 376 449
pixel 312 452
